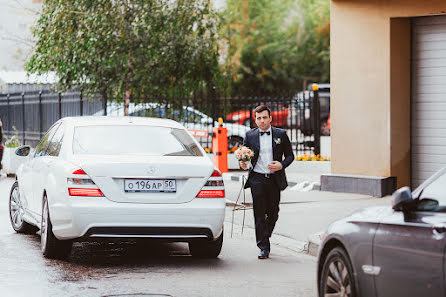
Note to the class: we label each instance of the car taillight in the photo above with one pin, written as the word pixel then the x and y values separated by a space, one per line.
pixel 77 182
pixel 85 192
pixel 216 173
pixel 81 180
pixel 214 183
pixel 214 187
pixel 211 194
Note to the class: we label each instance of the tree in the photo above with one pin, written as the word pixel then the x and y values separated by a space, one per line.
pixel 16 42
pixel 272 46
pixel 315 44
pixel 127 48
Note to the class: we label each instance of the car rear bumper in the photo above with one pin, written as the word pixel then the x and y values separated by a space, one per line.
pixel 101 218
pixel 168 233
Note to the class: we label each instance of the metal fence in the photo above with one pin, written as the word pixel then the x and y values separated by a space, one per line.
pixel 32 113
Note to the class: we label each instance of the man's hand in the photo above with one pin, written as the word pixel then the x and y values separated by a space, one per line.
pixel 243 165
pixel 275 166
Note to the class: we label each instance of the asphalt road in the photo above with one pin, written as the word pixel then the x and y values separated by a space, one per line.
pixel 144 268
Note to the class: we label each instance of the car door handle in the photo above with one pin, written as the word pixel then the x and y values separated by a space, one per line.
pixel 440 228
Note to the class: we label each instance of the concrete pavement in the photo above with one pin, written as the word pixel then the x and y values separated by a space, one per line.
pixel 148 268
pixel 304 213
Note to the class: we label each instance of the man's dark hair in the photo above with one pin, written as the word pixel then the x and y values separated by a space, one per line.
pixel 261 108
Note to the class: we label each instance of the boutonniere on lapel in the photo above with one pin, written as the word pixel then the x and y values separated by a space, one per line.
pixel 277 141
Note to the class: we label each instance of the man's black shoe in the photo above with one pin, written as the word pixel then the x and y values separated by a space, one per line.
pixel 263 254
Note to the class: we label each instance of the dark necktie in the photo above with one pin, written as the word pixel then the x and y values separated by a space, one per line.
pixel 267 133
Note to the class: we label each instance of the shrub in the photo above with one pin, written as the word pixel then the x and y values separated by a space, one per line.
pixel 14 140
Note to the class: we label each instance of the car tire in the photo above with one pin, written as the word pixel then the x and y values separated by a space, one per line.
pixel 16 212
pixel 234 141
pixel 52 247
pixel 206 248
pixel 337 275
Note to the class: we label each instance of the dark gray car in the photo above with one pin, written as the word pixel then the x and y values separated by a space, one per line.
pixel 389 251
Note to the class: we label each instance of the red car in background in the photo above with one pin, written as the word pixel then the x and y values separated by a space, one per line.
pixel 329 124
pixel 279 114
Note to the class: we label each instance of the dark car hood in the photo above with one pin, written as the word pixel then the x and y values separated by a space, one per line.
pixel 357 222
pixel 370 214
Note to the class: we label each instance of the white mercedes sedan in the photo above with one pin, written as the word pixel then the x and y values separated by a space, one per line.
pixel 118 177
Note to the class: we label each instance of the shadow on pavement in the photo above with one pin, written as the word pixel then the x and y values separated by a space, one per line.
pixel 106 259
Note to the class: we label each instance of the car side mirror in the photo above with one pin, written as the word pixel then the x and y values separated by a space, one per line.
pixel 402 199
pixel 23 150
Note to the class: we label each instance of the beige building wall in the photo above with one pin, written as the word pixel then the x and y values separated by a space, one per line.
pixel 370 85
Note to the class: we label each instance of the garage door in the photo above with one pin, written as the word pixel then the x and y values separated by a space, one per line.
pixel 428 131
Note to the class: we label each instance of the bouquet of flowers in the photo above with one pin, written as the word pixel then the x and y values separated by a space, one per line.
pixel 244 154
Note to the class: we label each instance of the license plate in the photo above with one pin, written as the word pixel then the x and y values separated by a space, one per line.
pixel 150 185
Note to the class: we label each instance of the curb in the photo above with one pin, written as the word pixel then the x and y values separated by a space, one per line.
pixel 276 239
pixel 314 242
pixel 310 247
pixel 306 186
pixel 233 203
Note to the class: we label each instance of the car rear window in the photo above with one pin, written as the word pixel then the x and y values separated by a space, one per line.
pixel 133 140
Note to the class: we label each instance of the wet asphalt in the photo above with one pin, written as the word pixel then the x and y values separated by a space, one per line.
pixel 147 268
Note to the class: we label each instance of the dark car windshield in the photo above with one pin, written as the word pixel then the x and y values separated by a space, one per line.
pixel 133 140
pixel 433 196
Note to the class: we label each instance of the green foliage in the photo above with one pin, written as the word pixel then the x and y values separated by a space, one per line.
pixel 134 48
pixel 316 44
pixel 274 46
pixel 127 48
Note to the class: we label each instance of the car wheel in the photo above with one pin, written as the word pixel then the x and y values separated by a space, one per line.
pixel 17 211
pixel 205 248
pixel 337 275
pixel 325 130
pixel 234 141
pixel 52 247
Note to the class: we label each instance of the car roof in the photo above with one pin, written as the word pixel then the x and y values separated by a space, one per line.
pixel 116 120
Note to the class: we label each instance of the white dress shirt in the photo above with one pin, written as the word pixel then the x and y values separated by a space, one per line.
pixel 265 153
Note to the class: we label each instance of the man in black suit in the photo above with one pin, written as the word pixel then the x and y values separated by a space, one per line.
pixel 272 154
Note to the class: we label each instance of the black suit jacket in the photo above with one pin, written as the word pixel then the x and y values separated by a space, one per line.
pixel 282 152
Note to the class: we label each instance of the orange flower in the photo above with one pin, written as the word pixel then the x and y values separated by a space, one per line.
pixel 310 157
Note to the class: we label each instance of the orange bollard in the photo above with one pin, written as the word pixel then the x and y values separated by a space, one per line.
pixel 220 148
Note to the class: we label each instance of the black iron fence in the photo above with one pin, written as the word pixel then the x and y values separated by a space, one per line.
pixel 32 113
